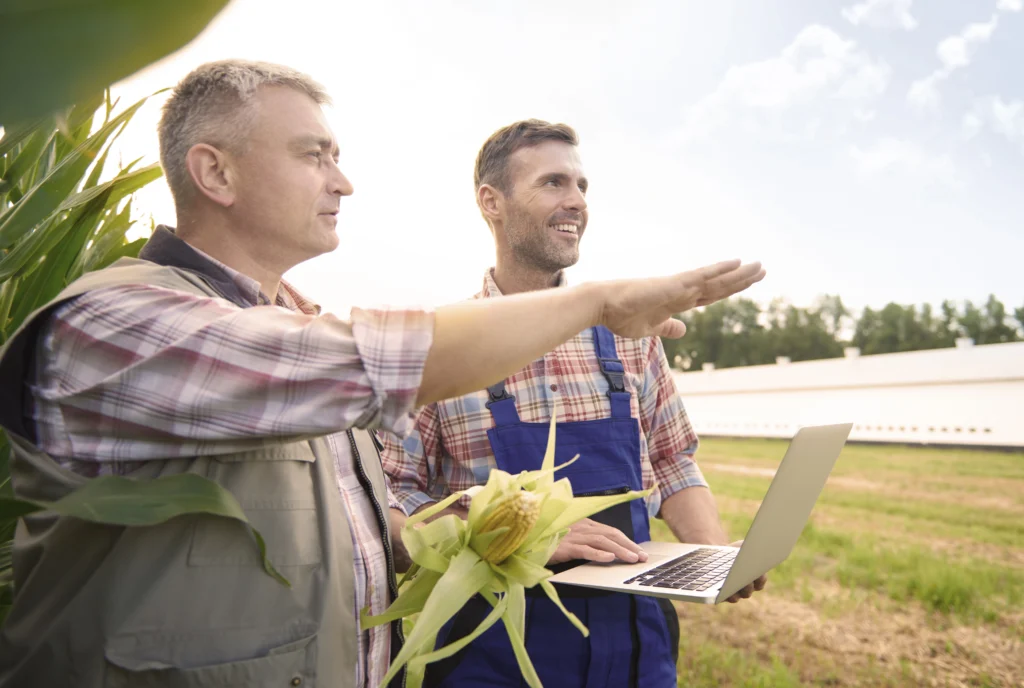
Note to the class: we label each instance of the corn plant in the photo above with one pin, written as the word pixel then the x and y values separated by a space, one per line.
pixel 59 218
pixel 514 525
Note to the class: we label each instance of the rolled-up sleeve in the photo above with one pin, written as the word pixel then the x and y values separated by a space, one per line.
pixel 133 373
pixel 671 440
pixel 393 347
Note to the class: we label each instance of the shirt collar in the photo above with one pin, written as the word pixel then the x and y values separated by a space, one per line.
pixel 491 290
pixel 166 248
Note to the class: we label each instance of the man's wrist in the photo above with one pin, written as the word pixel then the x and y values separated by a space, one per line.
pixel 590 299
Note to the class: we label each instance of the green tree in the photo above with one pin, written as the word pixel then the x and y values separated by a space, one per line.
pixel 996 329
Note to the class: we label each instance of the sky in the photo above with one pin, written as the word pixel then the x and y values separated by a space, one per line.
pixel 869 149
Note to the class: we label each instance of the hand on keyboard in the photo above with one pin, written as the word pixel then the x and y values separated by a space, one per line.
pixel 595 541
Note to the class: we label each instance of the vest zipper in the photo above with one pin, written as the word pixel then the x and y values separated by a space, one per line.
pixel 364 480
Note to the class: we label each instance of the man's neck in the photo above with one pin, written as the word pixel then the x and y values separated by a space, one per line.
pixel 224 247
pixel 512 278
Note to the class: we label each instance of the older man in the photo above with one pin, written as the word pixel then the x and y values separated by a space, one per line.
pixel 620 412
pixel 199 358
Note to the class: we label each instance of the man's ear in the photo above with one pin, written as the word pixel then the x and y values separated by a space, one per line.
pixel 491 202
pixel 211 173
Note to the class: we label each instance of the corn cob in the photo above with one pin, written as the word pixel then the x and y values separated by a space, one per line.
pixel 527 514
pixel 518 511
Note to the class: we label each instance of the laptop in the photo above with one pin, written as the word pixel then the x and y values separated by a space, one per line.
pixel 712 574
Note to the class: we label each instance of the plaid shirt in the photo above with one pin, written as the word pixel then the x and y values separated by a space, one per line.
pixel 140 372
pixel 448 450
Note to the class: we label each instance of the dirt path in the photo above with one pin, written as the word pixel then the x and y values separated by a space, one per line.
pixel 869 644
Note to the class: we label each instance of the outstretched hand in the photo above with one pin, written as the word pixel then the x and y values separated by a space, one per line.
pixel 644 307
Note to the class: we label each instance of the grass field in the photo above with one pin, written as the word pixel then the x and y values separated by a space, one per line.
pixel 910 573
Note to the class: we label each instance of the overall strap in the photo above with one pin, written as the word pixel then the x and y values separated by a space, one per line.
pixel 502 405
pixel 613 370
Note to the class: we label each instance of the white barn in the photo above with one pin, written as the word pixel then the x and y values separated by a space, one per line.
pixel 968 395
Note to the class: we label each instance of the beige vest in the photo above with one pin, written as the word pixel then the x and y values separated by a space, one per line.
pixel 187 603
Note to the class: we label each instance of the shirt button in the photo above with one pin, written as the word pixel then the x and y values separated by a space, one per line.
pixel 554 388
pixel 296 681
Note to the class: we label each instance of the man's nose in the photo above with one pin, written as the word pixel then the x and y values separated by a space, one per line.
pixel 575 200
pixel 339 183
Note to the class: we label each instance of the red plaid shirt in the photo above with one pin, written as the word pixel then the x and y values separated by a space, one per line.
pixel 448 451
pixel 135 372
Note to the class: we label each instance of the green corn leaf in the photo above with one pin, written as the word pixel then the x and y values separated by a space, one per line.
pixel 7 291
pixel 28 156
pixel 119 501
pixel 467 575
pixel 583 507
pixel 411 601
pixel 50 192
pixel 17 133
pixel 523 572
pixel 108 236
pixel 515 636
pixel 516 614
pixel 124 184
pixel 50 276
pixel 417 665
pixel 129 250
pixel 553 596
pixel 431 510
pixel 45 237
pixel 89 44
pixel 421 551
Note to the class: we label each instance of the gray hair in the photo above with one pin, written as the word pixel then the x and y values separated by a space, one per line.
pixel 214 105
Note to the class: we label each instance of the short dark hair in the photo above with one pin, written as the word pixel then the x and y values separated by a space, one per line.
pixel 492 161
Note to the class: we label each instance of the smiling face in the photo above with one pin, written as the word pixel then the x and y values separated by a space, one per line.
pixel 545 213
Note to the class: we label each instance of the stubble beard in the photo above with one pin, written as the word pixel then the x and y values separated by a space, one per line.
pixel 532 247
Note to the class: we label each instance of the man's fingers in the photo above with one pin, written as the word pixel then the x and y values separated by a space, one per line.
pixel 619 551
pixel 736 280
pixel 742 594
pixel 611 539
pixel 590 553
pixel 671 328
pixel 760 583
pixel 710 272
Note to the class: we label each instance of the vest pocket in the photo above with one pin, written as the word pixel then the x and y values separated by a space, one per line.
pixel 288 666
pixel 276 488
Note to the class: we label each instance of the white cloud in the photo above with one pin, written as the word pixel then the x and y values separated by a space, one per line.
pixel 828 77
pixel 972 124
pixel 954 52
pixel 884 14
pixel 898 156
pixel 1010 5
pixel 1003 118
pixel 924 93
pixel 957 51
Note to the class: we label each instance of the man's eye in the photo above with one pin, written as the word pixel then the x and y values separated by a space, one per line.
pixel 318 155
pixel 551 182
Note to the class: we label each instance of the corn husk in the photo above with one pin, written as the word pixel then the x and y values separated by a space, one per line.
pixel 455 559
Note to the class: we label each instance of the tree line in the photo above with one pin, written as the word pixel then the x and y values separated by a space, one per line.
pixel 741 332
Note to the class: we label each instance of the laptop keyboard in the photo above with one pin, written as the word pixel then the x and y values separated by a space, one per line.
pixel 698 569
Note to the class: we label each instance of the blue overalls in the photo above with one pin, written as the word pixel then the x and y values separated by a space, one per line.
pixel 630 643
